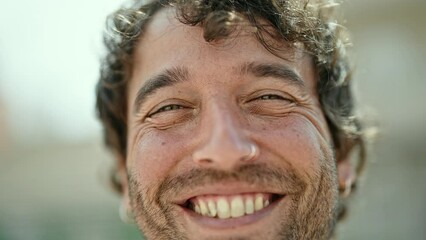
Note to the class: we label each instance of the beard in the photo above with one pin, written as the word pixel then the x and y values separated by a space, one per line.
pixel 311 214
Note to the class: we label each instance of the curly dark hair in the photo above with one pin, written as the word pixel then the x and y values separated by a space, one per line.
pixel 312 23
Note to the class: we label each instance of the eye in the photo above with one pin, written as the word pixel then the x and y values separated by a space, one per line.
pixel 268 102
pixel 271 97
pixel 167 108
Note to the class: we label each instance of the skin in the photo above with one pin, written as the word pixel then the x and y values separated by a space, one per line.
pixel 192 137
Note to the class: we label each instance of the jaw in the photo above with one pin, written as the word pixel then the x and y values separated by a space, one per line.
pixel 294 216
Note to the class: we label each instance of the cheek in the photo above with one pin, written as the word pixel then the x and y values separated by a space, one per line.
pixel 296 141
pixel 152 157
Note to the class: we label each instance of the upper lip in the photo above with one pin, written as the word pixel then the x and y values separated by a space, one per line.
pixel 224 189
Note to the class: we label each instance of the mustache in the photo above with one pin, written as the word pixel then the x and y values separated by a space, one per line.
pixel 284 180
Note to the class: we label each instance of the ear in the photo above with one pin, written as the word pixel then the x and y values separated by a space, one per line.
pixel 125 209
pixel 346 172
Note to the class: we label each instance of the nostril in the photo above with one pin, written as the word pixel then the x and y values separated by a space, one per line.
pixel 226 155
pixel 205 161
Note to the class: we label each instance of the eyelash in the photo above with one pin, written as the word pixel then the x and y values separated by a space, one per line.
pixel 272 97
pixel 167 108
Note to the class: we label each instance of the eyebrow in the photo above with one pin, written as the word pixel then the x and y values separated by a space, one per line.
pixel 167 77
pixel 274 70
pixel 172 76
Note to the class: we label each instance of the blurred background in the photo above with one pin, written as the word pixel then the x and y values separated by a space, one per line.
pixel 51 152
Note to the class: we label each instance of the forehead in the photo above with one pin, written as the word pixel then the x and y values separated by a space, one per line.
pixel 167 43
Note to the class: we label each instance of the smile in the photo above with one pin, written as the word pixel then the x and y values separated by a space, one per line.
pixel 230 206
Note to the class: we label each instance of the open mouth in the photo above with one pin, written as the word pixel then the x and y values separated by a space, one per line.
pixel 230 206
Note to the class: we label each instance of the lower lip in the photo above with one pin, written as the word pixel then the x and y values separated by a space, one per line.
pixel 216 223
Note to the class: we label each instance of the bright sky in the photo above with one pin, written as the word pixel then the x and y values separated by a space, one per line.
pixel 49 58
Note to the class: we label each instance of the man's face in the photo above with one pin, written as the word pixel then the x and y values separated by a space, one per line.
pixel 197 110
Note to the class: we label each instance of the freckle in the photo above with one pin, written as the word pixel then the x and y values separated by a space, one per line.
pixel 163 143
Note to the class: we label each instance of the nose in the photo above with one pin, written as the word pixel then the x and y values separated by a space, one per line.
pixel 225 144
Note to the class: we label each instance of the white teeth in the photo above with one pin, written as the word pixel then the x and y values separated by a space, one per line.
pixel 203 207
pixel 258 202
pixel 266 203
pixel 230 206
pixel 212 208
pixel 249 205
pixel 197 209
pixel 237 207
pixel 223 209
